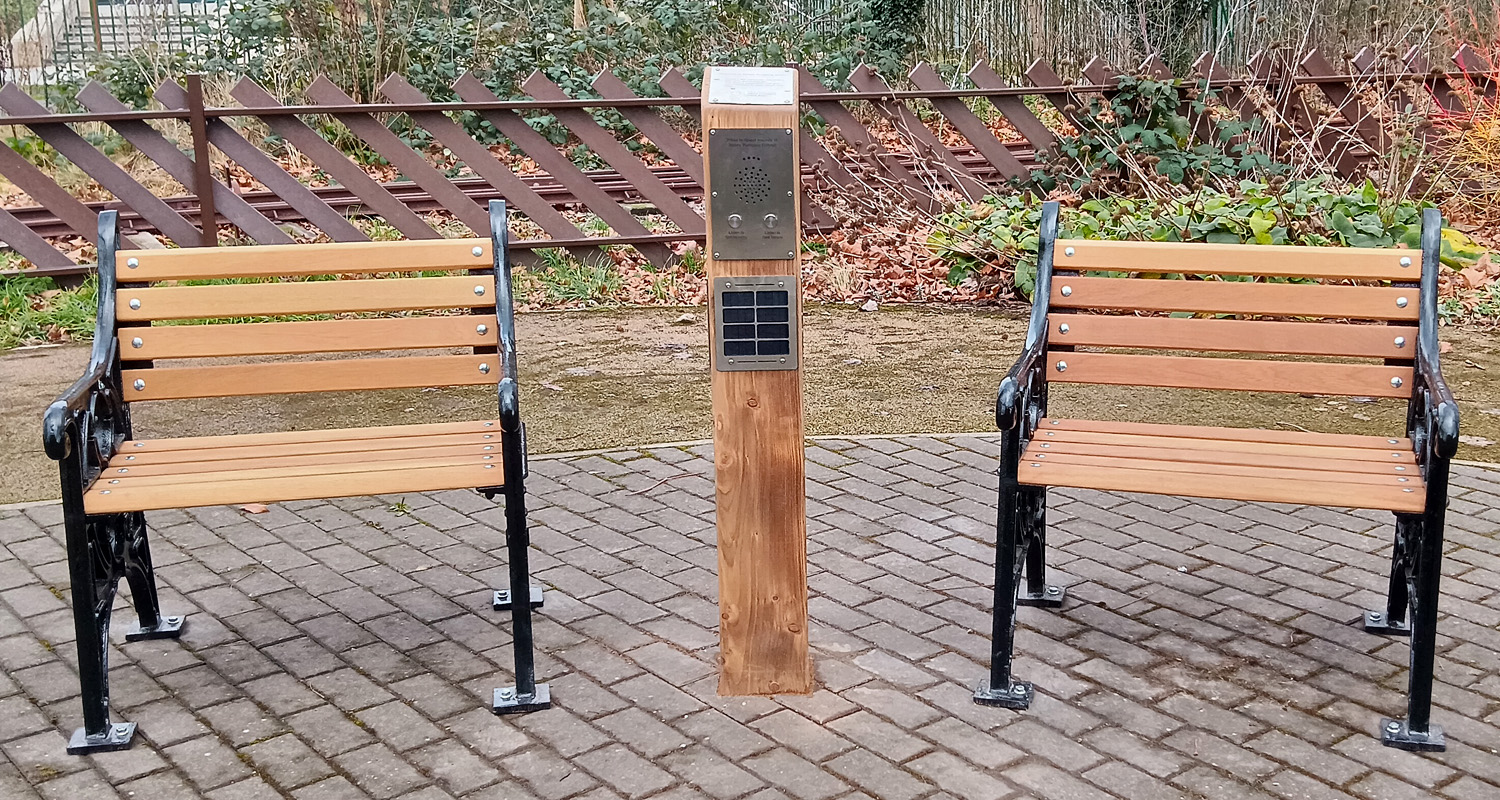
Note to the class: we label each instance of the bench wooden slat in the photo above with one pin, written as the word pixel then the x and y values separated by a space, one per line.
pixel 1315 460
pixel 1296 488
pixel 259 261
pixel 1265 449
pixel 1276 261
pixel 260 469
pixel 1234 335
pixel 304 297
pixel 135 446
pixel 271 490
pixel 297 447
pixel 1327 470
pixel 1228 434
pixel 1230 374
pixel 174 468
pixel 352 374
pixel 1228 297
pixel 322 336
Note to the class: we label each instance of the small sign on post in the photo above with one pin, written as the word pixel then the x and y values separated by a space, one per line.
pixel 750 116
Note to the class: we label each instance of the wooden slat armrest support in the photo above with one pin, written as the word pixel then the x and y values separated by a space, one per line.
pixel 1228 297
pixel 304 297
pixel 307 259
pixel 1189 372
pixel 1279 261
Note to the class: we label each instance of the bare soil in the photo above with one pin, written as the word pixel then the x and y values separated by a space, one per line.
pixel 600 379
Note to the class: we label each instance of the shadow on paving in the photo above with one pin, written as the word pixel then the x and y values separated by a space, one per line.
pixel 1208 649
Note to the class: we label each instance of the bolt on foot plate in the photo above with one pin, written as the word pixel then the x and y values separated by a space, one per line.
pixel 1050 597
pixel 117 737
pixel 502 598
pixel 1395 733
pixel 1017 695
pixel 508 702
pixel 1378 622
pixel 166 628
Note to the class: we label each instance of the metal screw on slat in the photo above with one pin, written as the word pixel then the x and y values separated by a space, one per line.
pixel 478 251
pixel 139 384
pixel 137 343
pixel 1067 291
pixel 482 329
pixel 1063 328
pixel 106 491
pixel 479 290
pixel 484 369
pixel 1406 261
pixel 489 447
pixel 1400 469
pixel 1401 302
pixel 135 304
pixel 1396 382
pixel 1392 441
pixel 1068 251
pixel 128 458
pixel 1403 479
pixel 133 263
pixel 489 466
pixel 1406 490
pixel 1062 366
pixel 114 480
pixel 122 469
pixel 1400 342
pixel 486 458
pixel 139 444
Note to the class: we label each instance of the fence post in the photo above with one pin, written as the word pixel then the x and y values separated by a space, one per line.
pixel 203 181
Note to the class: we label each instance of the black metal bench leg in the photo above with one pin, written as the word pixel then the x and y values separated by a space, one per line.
pixel 94 575
pixel 1001 688
pixel 1032 520
pixel 527 694
pixel 1422 569
pixel 1392 621
pixel 141 575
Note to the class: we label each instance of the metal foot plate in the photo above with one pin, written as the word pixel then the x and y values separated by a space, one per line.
pixel 117 737
pixel 1017 695
pixel 1395 733
pixel 166 628
pixel 1378 622
pixel 508 702
pixel 502 598
pixel 1050 597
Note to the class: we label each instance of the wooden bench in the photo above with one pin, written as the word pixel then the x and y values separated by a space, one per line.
pixel 109 477
pixel 1377 315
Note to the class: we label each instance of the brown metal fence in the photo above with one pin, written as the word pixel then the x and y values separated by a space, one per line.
pixel 917 146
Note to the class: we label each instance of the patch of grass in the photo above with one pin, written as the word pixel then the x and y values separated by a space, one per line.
pixel 34 311
pixel 565 279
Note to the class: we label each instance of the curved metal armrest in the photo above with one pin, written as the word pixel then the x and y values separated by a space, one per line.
pixel 76 398
pixel 1441 411
pixel 1015 384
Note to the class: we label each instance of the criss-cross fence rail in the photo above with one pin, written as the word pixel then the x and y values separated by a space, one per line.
pixel 916 147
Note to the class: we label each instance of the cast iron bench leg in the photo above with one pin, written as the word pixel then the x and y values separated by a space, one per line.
pixel 101 550
pixel 1001 688
pixel 1417 567
pixel 1032 517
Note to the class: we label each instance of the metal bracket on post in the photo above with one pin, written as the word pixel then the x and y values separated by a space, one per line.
pixel 166 628
pixel 1051 597
pixel 117 737
pixel 1378 622
pixel 502 598
pixel 1396 733
pixel 1016 696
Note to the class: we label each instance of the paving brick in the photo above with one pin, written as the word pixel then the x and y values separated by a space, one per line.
pixel 342 650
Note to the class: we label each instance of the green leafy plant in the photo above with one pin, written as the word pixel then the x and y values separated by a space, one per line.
pixel 996 239
pixel 34 310
pixel 1136 140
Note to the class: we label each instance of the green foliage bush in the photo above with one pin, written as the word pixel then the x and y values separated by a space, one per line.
pixel 997 238
pixel 34 310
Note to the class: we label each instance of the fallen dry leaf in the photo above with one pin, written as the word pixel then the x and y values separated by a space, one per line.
pixel 254 508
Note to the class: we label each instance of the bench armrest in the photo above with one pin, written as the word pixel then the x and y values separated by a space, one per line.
pixel 505 312
pixel 1439 412
pixel 103 357
pixel 1016 385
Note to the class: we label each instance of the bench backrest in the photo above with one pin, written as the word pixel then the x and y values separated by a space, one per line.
pixel 1358 305
pixel 356 306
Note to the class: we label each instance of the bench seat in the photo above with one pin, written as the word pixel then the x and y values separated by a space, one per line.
pixel 152 474
pixel 1301 468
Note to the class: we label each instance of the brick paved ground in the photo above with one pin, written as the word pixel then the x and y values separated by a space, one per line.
pixel 340 649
